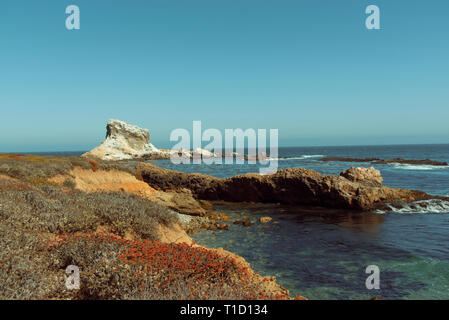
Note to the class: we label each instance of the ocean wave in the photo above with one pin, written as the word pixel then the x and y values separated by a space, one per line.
pixel 403 166
pixel 423 206
pixel 305 156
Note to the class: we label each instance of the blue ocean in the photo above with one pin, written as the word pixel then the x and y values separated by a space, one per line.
pixel 321 253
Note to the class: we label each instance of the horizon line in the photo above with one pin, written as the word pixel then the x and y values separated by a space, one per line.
pixel 283 146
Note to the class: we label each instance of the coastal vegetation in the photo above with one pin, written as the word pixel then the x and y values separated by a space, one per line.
pixel 117 239
pixel 27 167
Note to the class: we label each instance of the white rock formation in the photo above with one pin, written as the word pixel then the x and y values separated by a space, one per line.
pixel 203 153
pixel 125 141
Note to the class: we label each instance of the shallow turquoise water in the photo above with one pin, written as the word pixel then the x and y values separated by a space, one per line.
pixel 323 255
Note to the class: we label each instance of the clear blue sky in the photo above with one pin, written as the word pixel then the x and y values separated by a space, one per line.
pixel 309 68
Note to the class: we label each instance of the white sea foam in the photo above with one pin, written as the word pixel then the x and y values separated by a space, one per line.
pixel 424 206
pixel 403 166
pixel 305 156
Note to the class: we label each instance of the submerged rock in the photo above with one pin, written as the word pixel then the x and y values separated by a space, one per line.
pixel 362 191
pixel 125 141
pixel 265 219
pixel 245 222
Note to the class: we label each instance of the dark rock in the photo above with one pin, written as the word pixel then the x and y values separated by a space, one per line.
pixel 418 162
pixel 244 222
pixel 387 161
pixel 341 159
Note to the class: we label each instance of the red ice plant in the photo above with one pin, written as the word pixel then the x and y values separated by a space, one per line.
pixel 182 271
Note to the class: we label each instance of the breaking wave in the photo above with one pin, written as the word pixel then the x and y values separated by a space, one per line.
pixel 424 206
pixel 305 156
pixel 417 166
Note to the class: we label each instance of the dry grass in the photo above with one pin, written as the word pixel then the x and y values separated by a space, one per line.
pixel 54 211
pixel 27 167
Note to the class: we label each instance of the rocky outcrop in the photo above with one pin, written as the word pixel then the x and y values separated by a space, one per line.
pixel 125 141
pixel 182 202
pixel 367 176
pixel 387 161
pixel 288 186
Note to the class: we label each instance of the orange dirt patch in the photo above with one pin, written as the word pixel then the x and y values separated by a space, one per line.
pixel 174 234
pixel 101 180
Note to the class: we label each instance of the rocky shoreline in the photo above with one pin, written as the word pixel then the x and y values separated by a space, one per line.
pixel 356 188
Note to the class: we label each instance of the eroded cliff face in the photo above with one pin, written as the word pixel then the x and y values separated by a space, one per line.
pixel 124 141
pixel 357 188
